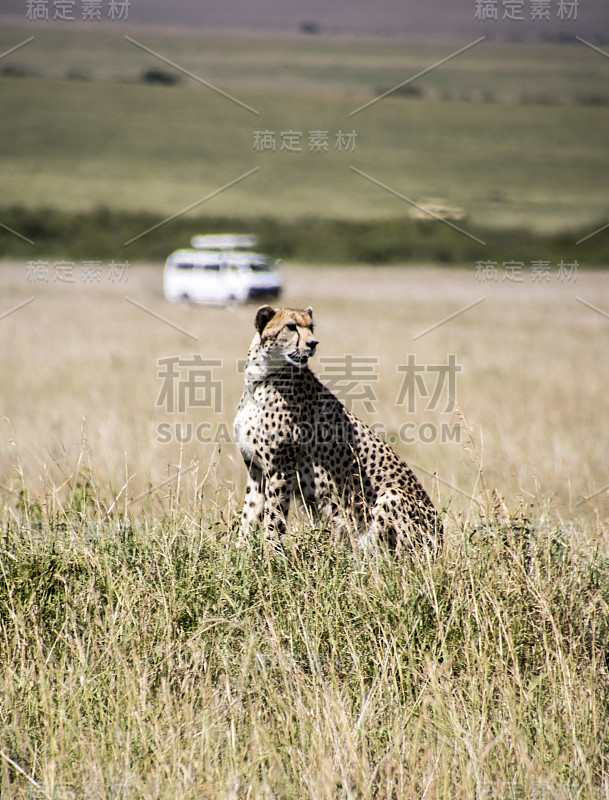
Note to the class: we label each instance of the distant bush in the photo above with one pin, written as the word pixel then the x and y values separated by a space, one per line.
pixel 160 77
pixel 402 91
pixel 312 28
pixel 13 71
pixel 75 74
pixel 539 99
pixel 592 100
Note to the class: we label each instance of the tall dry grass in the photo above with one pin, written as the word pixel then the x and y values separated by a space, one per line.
pixel 151 658
pixel 144 656
pixel 79 381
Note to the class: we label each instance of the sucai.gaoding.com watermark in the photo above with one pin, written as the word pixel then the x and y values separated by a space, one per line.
pixel 415 387
pixel 195 383
pixel 191 383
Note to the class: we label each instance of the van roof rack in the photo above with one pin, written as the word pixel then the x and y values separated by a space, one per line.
pixel 225 241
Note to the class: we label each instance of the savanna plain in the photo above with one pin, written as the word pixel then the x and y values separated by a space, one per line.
pixel 145 656
pixel 142 654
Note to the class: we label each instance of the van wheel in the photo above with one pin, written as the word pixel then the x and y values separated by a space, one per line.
pixel 185 298
pixel 231 302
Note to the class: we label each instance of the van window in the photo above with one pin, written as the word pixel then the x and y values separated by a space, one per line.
pixel 259 266
pixel 182 265
pixel 211 267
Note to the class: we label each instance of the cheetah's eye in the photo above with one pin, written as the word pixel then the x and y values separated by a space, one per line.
pixel 291 326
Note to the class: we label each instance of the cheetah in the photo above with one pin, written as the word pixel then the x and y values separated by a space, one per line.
pixel 298 440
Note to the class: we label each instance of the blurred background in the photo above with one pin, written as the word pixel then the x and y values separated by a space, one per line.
pixel 435 166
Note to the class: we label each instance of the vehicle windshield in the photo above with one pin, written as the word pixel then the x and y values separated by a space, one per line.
pixel 260 266
pixel 187 265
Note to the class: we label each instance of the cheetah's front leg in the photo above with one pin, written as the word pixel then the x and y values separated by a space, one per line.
pixel 277 496
pixel 253 505
pixel 266 499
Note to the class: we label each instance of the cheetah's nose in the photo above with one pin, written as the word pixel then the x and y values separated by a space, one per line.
pixel 312 344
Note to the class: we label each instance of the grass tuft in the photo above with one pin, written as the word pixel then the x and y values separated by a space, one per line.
pixel 153 658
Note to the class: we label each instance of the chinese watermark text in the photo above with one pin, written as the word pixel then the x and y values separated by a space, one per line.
pixel 70 272
pixel 71 10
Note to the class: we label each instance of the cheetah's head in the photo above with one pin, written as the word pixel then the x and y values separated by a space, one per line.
pixel 283 337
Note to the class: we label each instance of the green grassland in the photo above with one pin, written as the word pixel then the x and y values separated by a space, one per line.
pixel 311 65
pixel 469 138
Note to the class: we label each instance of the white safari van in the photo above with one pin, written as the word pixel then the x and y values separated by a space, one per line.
pixel 220 270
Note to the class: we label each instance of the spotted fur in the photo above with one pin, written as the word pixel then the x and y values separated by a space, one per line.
pixel 297 439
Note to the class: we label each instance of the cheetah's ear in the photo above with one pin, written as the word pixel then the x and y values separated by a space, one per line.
pixel 310 312
pixel 263 316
